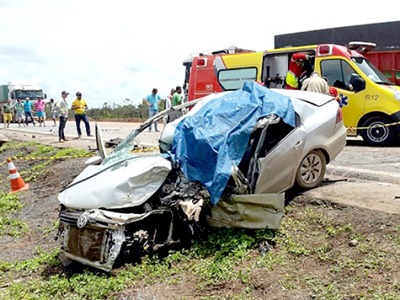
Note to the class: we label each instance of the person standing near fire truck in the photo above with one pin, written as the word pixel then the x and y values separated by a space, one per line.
pixel 299 69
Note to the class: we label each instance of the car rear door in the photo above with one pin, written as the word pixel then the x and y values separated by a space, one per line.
pixel 278 168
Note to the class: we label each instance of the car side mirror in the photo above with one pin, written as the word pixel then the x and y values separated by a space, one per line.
pixel 357 83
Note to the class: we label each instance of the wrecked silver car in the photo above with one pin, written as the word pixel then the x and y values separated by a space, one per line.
pixel 227 162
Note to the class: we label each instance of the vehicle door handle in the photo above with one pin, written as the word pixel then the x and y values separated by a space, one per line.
pixel 298 144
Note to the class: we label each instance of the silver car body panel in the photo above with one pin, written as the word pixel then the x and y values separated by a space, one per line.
pixel 317 130
pixel 256 211
pixel 123 184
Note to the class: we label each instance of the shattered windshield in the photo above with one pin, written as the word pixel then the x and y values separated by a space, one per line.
pixel 126 149
pixel 371 71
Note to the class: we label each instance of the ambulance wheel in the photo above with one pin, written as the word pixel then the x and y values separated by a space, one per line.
pixel 377 133
pixel 311 170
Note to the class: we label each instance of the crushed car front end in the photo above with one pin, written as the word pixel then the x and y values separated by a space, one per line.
pixel 103 238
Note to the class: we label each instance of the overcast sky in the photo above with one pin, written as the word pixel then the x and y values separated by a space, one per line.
pixel 113 50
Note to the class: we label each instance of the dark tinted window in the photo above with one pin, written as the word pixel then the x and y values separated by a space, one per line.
pixel 337 72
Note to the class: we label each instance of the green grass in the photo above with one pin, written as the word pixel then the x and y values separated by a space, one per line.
pixel 213 260
pixel 9 224
pixel 225 256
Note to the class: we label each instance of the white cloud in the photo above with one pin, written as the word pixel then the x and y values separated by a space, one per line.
pixel 122 49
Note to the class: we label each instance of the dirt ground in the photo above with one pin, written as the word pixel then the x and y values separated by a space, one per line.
pixel 40 209
pixel 40 212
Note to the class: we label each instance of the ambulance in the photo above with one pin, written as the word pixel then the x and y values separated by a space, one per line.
pixel 370 102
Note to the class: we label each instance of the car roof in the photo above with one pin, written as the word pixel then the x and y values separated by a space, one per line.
pixel 316 99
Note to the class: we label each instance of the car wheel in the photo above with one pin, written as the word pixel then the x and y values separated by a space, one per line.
pixel 311 170
pixel 377 133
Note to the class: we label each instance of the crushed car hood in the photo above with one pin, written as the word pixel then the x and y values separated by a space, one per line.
pixel 129 182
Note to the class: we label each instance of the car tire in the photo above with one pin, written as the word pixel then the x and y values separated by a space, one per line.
pixel 377 134
pixel 311 170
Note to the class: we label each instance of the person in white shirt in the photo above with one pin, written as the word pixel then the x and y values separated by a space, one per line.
pixel 315 83
pixel 168 105
pixel 63 116
pixel 54 111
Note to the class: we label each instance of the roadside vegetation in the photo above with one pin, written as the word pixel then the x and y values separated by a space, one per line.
pixel 321 251
pixel 128 110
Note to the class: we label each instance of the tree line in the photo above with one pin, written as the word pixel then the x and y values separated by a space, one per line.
pixel 127 111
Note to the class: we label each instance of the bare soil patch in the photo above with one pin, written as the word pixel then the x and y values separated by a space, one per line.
pixel 40 206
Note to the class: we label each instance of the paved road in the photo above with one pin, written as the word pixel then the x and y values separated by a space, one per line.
pixel 364 162
pixel 363 176
pixel 49 134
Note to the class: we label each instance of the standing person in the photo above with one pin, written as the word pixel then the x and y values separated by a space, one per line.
pixel 79 106
pixel 168 99
pixel 7 115
pixel 19 111
pixel 152 102
pixel 40 106
pixel 168 105
pixel 176 100
pixel 62 108
pixel 316 83
pixel 299 69
pixel 28 111
pixel 54 111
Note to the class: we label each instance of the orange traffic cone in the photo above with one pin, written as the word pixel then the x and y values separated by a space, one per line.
pixel 17 184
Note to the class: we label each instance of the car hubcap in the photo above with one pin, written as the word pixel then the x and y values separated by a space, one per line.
pixel 311 168
pixel 377 132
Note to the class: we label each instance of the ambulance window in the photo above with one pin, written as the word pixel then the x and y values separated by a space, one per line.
pixel 234 79
pixel 337 72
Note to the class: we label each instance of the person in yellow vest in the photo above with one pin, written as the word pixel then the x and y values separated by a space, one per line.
pixel 299 69
pixel 79 107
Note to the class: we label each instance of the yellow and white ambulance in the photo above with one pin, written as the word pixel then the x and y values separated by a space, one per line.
pixel 369 101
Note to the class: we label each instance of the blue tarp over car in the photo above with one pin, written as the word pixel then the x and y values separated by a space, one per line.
pixel 207 143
